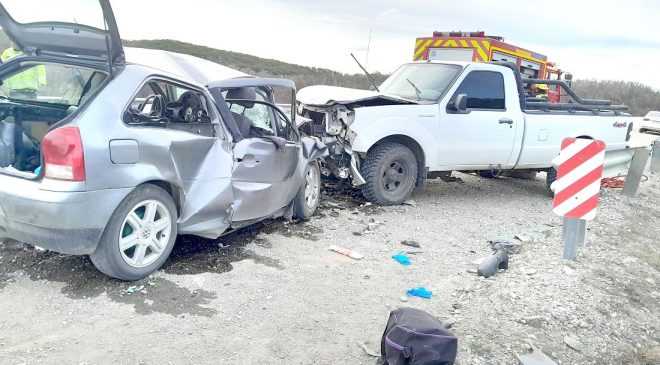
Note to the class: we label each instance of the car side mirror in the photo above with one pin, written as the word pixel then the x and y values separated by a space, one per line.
pixel 459 104
pixel 372 88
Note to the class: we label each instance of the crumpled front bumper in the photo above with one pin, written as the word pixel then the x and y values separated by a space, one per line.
pixel 65 222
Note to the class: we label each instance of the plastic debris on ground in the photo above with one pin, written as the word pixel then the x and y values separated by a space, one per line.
pixel 134 289
pixel 522 238
pixel 421 292
pixel 414 244
pixel 402 259
pixel 369 351
pixel 536 357
pixel 346 252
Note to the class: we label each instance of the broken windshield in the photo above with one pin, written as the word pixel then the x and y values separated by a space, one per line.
pixel 420 81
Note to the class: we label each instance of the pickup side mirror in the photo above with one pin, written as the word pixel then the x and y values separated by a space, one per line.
pixel 459 104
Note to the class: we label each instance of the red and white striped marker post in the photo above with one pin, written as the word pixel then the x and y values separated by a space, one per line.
pixel 577 188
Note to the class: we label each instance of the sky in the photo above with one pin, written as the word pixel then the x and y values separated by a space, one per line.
pixel 603 39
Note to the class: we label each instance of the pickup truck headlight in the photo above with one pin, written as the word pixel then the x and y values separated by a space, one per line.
pixel 338 120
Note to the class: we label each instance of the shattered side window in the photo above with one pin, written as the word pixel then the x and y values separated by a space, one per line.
pixel 260 115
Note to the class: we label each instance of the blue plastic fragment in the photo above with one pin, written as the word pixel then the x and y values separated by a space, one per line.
pixel 402 259
pixel 419 292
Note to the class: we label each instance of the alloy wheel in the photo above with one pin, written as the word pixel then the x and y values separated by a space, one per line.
pixel 145 233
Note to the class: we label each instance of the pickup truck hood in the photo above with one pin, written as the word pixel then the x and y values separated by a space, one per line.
pixel 323 96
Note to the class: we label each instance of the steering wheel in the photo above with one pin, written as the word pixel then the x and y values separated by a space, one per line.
pixel 158 105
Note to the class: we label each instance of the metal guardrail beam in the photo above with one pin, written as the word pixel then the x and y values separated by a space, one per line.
pixel 617 162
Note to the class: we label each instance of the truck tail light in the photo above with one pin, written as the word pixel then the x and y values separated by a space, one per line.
pixel 62 151
pixel 630 129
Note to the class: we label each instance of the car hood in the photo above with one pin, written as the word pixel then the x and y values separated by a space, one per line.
pixel 33 32
pixel 322 96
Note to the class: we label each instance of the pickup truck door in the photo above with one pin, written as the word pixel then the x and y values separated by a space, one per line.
pixel 483 135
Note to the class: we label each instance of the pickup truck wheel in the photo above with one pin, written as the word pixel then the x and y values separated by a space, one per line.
pixel 309 194
pixel 549 179
pixel 139 236
pixel 390 171
pixel 488 174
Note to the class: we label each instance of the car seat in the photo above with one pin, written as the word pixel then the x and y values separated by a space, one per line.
pixel 245 97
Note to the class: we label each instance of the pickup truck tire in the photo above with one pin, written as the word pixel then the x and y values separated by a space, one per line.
pixel 309 194
pixel 139 236
pixel 549 179
pixel 390 171
pixel 487 174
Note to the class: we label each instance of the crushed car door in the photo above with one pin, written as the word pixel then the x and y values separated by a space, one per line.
pixel 86 30
pixel 266 174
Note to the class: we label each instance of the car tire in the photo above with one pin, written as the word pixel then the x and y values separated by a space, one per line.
pixel 551 176
pixel 309 195
pixel 488 174
pixel 390 171
pixel 144 223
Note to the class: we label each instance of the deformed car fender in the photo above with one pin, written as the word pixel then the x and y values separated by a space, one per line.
pixel 370 134
pixel 313 148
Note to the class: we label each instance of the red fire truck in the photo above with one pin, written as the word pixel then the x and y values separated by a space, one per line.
pixel 479 47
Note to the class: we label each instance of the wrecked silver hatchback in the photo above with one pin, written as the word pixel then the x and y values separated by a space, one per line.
pixel 132 147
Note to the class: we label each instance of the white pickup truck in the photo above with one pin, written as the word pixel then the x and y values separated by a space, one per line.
pixel 431 118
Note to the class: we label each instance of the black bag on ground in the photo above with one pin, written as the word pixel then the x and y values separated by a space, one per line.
pixel 414 337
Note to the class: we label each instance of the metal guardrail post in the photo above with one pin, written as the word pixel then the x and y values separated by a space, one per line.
pixel 655 157
pixel 575 233
pixel 636 171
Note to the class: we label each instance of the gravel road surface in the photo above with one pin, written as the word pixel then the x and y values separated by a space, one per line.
pixel 274 294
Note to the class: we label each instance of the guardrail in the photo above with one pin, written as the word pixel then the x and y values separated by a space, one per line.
pixel 655 159
pixel 630 162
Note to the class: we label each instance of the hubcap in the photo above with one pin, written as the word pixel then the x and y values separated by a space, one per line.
pixel 145 233
pixel 394 175
pixel 311 188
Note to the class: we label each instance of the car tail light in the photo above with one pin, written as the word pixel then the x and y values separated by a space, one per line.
pixel 63 155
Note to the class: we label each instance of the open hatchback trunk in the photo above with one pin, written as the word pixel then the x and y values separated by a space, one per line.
pixel 53 66
pixel 88 33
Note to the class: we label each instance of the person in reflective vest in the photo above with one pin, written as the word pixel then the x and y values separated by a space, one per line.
pixel 25 84
pixel 541 91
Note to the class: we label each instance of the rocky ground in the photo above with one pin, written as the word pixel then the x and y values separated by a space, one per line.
pixel 274 293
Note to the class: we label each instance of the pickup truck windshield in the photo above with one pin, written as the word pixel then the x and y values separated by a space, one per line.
pixel 420 81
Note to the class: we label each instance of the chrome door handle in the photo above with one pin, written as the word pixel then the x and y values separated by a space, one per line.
pixel 506 121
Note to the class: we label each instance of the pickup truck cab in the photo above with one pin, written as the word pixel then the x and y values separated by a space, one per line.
pixel 432 118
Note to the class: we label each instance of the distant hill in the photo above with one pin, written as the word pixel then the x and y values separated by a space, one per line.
pixel 640 98
pixel 301 75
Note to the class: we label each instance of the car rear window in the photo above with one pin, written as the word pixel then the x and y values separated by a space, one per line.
pixel 51 83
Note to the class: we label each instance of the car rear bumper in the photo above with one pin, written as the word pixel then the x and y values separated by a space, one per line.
pixel 65 222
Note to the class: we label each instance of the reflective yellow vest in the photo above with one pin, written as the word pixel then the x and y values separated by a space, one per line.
pixel 30 79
